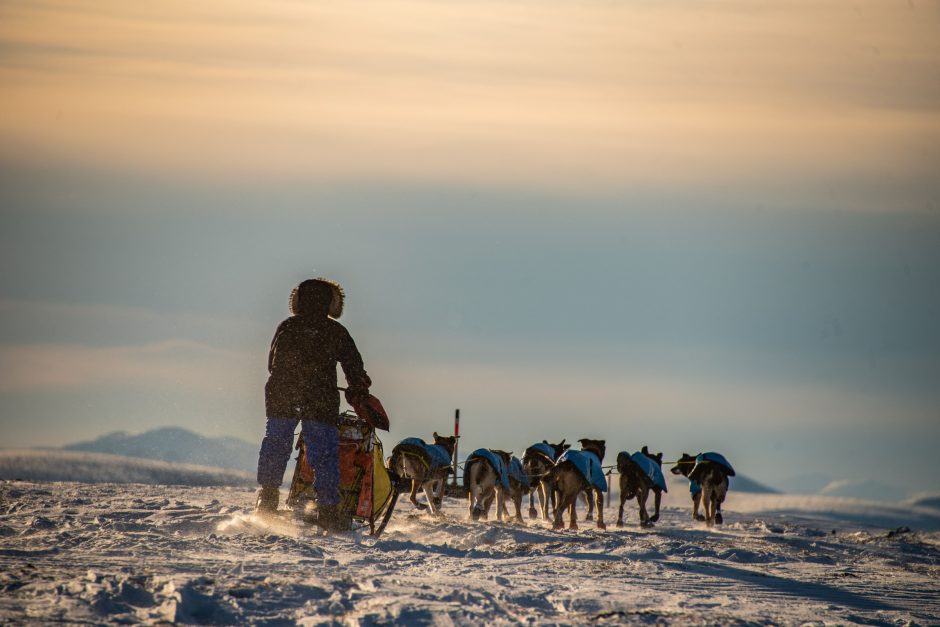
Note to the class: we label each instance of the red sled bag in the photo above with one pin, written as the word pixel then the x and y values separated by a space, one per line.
pixel 370 409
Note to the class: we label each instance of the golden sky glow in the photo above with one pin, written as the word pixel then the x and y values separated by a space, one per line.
pixel 533 93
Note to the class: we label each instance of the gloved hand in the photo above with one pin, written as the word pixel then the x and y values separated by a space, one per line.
pixel 358 390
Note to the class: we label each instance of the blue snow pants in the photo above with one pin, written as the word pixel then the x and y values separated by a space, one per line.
pixel 322 444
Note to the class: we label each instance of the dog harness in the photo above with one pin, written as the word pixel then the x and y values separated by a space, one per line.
pixel 714 458
pixel 651 469
pixel 493 460
pixel 437 454
pixel 516 472
pixel 588 465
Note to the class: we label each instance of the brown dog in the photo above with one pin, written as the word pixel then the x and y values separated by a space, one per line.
pixel 538 461
pixel 574 472
pixel 639 477
pixel 426 465
pixel 708 482
pixel 485 477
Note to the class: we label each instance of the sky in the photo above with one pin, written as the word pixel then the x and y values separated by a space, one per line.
pixel 688 225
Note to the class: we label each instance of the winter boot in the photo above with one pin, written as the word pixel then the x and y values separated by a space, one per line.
pixel 268 498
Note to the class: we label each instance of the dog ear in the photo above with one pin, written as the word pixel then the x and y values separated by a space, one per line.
pixel 562 443
pixel 645 450
pixel 436 436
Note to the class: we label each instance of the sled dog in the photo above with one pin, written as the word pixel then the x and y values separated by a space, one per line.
pixel 640 474
pixel 426 466
pixel 708 483
pixel 574 472
pixel 518 485
pixel 684 467
pixel 538 461
pixel 486 476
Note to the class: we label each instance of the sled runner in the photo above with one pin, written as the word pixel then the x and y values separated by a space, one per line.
pixel 368 491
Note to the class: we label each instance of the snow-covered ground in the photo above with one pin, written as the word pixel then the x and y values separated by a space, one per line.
pixel 106 553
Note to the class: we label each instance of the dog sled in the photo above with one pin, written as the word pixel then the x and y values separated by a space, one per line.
pixel 368 491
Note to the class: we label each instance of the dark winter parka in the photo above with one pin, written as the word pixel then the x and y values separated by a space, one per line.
pixel 304 353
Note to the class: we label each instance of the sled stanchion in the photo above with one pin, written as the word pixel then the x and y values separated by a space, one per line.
pixel 387 514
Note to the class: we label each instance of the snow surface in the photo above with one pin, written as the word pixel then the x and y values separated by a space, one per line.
pixel 107 553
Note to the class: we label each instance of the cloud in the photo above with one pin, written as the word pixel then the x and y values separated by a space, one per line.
pixel 541 95
pixel 502 397
pixel 99 324
pixel 182 364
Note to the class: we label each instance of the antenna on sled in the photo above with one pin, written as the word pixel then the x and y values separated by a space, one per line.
pixel 456 444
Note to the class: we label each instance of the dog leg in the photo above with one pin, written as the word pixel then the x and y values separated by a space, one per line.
pixel 439 499
pixel 532 511
pixel 641 497
pixel 557 522
pixel 545 496
pixel 623 499
pixel 488 495
pixel 599 505
pixel 562 504
pixel 590 505
pixel 476 506
pixel 658 496
pixel 414 495
pixel 696 502
pixel 573 513
pixel 708 505
pixel 719 519
pixel 720 494
pixel 428 488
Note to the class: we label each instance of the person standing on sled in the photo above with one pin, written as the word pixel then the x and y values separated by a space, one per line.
pixel 302 387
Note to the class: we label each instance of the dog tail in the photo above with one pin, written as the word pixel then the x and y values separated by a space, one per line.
pixel 466 474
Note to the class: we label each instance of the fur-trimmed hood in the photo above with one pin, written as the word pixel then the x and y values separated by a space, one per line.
pixel 317 297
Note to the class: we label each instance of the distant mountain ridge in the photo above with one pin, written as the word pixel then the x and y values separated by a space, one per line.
pixel 741 483
pixel 737 483
pixel 176 445
pixel 85 467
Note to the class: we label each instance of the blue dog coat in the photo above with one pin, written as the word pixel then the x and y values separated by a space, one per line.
pixel 588 465
pixel 437 454
pixel 545 449
pixel 651 469
pixel 516 472
pixel 495 461
pixel 715 458
pixel 694 487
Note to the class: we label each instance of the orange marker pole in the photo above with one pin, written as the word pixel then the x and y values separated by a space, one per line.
pixel 456 443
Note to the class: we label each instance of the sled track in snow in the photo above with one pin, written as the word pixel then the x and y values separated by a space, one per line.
pixel 136 553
